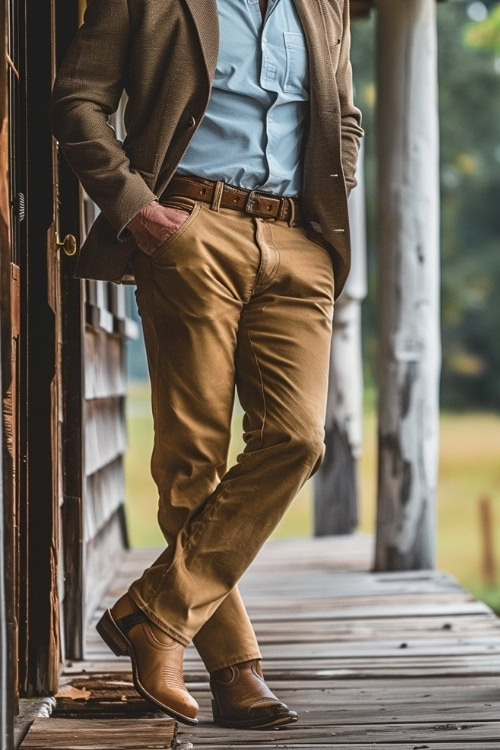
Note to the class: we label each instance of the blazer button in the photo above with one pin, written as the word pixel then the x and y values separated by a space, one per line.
pixel 191 122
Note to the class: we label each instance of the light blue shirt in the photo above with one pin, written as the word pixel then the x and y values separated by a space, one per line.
pixel 252 131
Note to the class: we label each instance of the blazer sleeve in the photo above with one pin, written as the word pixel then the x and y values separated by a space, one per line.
pixel 351 130
pixel 87 90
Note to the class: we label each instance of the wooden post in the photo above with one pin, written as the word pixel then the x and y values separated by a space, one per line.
pixel 488 564
pixel 336 486
pixel 7 674
pixel 9 519
pixel 409 339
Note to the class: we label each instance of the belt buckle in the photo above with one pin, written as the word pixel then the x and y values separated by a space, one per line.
pixel 250 207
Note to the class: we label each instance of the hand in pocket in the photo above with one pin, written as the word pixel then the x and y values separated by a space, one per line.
pixel 155 224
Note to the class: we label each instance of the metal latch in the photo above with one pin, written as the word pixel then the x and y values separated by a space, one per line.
pixel 68 244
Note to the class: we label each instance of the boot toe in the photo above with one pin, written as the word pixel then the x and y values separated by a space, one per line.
pixel 272 711
pixel 173 701
pixel 184 703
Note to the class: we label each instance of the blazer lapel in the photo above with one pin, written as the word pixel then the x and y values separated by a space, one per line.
pixel 206 20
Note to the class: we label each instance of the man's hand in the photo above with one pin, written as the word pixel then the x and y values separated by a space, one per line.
pixel 155 224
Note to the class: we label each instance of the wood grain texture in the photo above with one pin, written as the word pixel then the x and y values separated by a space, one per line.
pixel 99 734
pixel 408 321
pixel 366 659
pixel 389 679
pixel 336 483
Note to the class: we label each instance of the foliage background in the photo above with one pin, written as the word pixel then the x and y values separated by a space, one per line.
pixel 469 93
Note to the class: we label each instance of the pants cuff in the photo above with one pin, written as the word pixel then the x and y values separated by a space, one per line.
pixel 231 660
pixel 168 629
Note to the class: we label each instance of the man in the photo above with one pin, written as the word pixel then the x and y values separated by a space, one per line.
pixel 228 199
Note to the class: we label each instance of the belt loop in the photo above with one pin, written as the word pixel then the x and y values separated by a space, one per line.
pixel 291 218
pixel 217 196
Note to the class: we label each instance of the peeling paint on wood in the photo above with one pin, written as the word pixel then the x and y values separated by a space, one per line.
pixel 336 483
pixel 409 342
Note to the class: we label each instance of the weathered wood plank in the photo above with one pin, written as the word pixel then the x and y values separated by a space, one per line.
pixel 104 366
pixel 327 601
pixel 381 649
pixel 478 685
pixel 100 567
pixel 418 734
pixel 105 492
pixel 100 734
pixel 421 628
pixel 421 609
pixel 378 629
pixel 366 650
pixel 105 433
pixel 347 553
pixel 328 702
pixel 464 666
pixel 398 661
pixel 350 746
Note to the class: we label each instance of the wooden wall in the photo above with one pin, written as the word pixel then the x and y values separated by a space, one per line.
pixel 108 324
pixel 104 446
pixel 8 635
pixel 62 372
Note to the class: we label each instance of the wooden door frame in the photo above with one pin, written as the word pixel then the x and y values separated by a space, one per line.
pixel 6 712
pixel 8 622
pixel 43 305
pixel 9 331
pixel 68 221
pixel 38 367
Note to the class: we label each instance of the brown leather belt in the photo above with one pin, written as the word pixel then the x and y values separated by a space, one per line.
pixel 222 195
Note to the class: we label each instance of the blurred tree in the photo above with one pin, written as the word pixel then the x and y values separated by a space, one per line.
pixel 469 69
pixel 485 34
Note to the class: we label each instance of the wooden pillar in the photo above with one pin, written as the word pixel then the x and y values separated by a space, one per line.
pixel 6 713
pixel 8 507
pixel 336 486
pixel 408 268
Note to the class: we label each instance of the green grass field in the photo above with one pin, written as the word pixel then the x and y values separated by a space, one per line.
pixel 469 468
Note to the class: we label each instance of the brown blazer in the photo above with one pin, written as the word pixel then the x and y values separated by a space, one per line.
pixel 163 53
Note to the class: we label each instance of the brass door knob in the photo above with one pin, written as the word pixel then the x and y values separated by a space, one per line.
pixel 68 244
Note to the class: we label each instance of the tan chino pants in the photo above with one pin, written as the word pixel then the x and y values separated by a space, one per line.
pixel 229 300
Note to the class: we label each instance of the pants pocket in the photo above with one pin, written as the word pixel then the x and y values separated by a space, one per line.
pixel 193 208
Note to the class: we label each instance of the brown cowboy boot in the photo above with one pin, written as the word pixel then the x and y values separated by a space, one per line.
pixel 242 700
pixel 156 659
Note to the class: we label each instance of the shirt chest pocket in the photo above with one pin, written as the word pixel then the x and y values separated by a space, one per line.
pixel 297 65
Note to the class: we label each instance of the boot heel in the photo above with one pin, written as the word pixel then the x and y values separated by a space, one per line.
pixel 215 711
pixel 111 635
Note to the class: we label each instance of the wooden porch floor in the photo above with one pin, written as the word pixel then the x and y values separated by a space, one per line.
pixel 403 660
